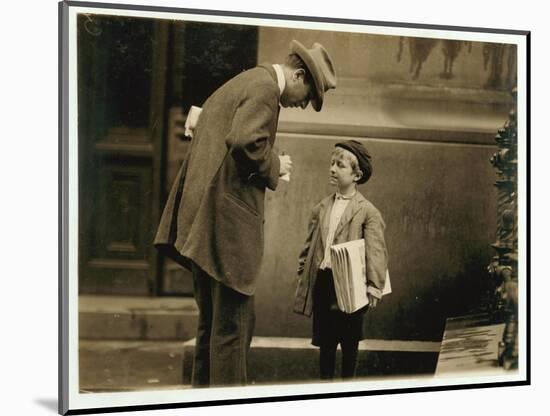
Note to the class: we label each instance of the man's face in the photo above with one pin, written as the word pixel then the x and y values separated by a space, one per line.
pixel 297 92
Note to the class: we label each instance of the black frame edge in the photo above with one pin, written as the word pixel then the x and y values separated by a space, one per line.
pixel 63 203
pixel 528 208
pixel 294 398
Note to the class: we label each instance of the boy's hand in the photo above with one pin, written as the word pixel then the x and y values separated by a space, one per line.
pixel 373 301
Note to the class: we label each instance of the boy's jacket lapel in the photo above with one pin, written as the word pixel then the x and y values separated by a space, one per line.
pixel 324 218
pixel 353 207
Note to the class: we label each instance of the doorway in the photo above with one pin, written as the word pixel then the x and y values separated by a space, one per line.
pixel 137 78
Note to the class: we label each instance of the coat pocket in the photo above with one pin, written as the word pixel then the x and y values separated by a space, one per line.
pixel 241 204
pixel 240 243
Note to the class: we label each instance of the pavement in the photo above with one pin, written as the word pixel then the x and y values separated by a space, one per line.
pixel 132 343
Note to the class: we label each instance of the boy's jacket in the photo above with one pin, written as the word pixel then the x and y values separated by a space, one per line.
pixel 360 219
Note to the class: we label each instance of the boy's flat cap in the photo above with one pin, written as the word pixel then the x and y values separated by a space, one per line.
pixel 362 156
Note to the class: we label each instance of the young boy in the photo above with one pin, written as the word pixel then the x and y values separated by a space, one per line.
pixel 343 216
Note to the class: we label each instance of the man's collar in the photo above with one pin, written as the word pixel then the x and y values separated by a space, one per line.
pixel 281 82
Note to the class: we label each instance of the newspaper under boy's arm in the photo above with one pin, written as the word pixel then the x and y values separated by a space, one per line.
pixel 348 267
pixel 337 271
pixel 376 254
pixel 357 268
pixel 350 280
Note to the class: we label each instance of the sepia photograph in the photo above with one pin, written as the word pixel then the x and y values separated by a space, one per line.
pixel 265 207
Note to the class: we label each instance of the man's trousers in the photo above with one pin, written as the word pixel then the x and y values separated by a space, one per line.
pixel 224 332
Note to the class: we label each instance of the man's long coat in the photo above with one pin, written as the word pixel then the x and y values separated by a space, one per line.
pixel 215 211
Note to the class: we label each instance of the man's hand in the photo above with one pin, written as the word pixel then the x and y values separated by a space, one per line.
pixel 373 301
pixel 286 165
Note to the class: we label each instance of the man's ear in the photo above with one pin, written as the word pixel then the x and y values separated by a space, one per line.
pixel 300 73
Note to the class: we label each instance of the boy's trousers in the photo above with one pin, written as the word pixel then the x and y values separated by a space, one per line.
pixel 224 332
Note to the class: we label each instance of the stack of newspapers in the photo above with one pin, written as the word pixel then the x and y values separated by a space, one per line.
pixel 350 275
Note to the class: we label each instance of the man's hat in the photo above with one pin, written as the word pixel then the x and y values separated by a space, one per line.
pixel 362 156
pixel 320 67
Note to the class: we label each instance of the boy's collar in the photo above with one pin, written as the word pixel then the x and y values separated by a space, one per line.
pixel 338 195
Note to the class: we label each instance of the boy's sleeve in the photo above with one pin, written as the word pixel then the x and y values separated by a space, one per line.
pixel 249 137
pixel 376 254
pixel 313 220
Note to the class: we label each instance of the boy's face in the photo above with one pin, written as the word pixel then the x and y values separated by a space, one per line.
pixel 341 171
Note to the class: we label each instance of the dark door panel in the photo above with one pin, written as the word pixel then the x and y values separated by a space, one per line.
pixel 122 67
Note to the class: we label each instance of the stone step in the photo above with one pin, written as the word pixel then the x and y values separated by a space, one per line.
pixel 143 365
pixel 287 360
pixel 137 318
